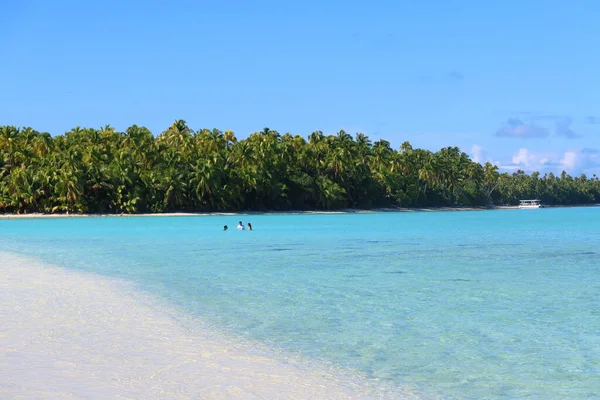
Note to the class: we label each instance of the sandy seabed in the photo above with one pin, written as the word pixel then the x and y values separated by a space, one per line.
pixel 74 335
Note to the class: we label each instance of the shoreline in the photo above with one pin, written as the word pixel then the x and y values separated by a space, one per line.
pixel 72 335
pixel 291 212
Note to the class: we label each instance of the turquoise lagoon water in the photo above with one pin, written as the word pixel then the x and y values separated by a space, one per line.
pixel 463 305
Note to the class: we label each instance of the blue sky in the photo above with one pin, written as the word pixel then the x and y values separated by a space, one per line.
pixel 512 82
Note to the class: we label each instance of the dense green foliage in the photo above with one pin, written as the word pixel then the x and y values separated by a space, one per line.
pixel 105 171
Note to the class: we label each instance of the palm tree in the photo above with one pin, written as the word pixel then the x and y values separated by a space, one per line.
pixel 9 135
pixel 174 186
pixel 68 188
pixel 230 139
pixel 207 181
pixel 364 146
pixel 102 170
pixel 315 137
pixel 490 181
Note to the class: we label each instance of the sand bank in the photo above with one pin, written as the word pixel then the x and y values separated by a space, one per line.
pixel 184 214
pixel 341 211
pixel 71 335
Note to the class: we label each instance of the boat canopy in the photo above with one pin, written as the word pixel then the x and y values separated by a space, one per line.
pixel 529 201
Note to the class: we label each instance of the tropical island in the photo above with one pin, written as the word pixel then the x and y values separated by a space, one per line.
pixel 90 170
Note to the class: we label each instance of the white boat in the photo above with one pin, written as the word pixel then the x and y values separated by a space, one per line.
pixel 530 204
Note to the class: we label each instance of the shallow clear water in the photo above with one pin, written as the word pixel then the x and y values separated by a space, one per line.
pixel 470 305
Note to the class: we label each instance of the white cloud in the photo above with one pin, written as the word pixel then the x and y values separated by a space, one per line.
pixel 570 160
pixel 573 161
pixel 581 161
pixel 477 153
pixel 529 161
pixel 523 157
pixel 481 156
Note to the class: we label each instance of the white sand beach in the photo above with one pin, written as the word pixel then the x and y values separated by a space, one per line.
pixel 71 335
pixel 202 214
pixel 231 214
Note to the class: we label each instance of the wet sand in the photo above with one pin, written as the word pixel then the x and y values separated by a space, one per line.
pixel 72 335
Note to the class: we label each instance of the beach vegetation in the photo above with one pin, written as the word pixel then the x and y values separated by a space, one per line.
pixel 89 170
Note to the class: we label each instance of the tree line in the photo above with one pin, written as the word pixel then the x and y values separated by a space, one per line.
pixel 90 170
